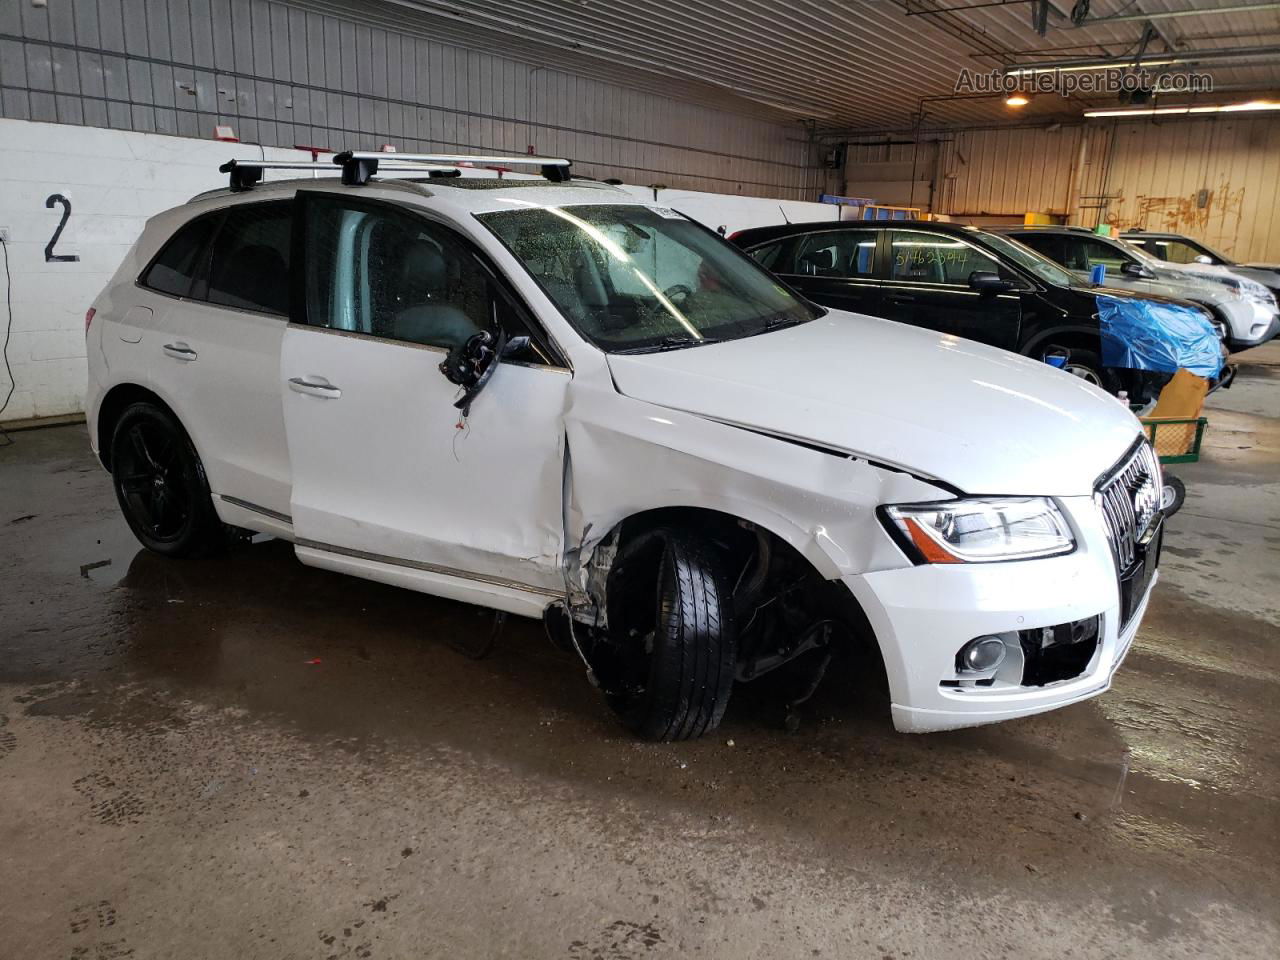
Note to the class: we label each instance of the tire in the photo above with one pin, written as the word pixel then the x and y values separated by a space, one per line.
pixel 161 486
pixel 673 646
pixel 1179 494
pixel 1087 365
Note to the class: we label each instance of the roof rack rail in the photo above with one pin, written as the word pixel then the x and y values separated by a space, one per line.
pixel 359 166
pixel 246 173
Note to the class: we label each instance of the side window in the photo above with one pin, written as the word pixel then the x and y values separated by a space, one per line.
pixel 767 256
pixel 1047 245
pixel 936 258
pixel 1157 248
pixel 249 264
pixel 175 267
pixel 1096 252
pixel 846 253
pixel 1175 251
pixel 381 271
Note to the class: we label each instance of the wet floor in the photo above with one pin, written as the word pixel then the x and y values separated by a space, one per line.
pixel 244 757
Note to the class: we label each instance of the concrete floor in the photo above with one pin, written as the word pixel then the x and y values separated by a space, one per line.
pixel 242 757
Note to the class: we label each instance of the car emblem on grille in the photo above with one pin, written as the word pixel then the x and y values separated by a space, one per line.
pixel 1146 501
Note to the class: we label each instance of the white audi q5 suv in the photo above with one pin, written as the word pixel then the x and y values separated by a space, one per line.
pixel 544 396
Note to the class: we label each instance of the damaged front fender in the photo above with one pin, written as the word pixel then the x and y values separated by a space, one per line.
pixel 626 457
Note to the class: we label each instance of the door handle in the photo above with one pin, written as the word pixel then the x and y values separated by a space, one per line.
pixel 900 298
pixel 179 351
pixel 315 388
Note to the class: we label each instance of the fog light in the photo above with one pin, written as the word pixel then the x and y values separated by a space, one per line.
pixel 981 655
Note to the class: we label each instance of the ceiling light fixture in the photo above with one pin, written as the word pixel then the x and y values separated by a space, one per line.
pixel 1251 106
pixel 1016 100
pixel 1091 67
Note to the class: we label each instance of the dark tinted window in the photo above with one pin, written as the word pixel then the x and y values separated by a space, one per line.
pixel 1083 253
pixel 841 254
pixel 938 258
pixel 178 262
pixel 1044 243
pixel 249 267
pixel 767 256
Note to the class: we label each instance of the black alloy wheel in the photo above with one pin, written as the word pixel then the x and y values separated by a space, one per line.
pixel 160 484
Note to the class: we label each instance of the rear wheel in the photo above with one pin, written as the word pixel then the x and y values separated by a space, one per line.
pixel 160 484
pixel 669 664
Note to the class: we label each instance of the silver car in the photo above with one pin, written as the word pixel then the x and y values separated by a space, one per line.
pixel 1244 309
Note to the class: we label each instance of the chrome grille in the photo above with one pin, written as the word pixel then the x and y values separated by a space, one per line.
pixel 1129 499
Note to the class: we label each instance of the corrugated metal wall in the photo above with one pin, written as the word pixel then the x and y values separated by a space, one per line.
pixel 1215 179
pixel 282 75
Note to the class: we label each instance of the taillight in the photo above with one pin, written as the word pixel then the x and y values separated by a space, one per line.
pixel 88 319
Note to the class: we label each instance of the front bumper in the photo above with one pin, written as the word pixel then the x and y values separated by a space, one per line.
pixel 1258 335
pixel 922 615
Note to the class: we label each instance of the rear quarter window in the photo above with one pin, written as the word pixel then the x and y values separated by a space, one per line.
pixel 249 263
pixel 176 266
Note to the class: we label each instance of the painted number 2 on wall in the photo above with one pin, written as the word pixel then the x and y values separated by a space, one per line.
pixel 49 255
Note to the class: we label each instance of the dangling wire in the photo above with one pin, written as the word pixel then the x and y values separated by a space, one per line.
pixel 8 327
pixel 461 429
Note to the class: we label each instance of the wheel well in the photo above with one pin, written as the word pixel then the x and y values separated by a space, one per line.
pixel 117 400
pixel 761 567
pixel 1083 341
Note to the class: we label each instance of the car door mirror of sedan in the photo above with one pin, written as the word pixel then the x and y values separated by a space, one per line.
pixel 1201 258
pixel 985 282
pixel 1133 269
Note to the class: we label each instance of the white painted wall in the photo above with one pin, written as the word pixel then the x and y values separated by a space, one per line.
pixel 115 180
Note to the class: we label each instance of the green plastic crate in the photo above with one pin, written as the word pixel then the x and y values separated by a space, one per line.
pixel 1175 439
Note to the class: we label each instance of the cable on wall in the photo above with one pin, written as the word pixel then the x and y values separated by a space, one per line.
pixel 8 328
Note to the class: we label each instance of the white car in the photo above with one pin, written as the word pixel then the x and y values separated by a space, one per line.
pixel 1259 282
pixel 557 401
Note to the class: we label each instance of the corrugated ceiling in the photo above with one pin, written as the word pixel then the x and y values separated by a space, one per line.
pixel 851 66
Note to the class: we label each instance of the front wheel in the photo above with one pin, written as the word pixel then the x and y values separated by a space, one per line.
pixel 1087 365
pixel 1175 494
pixel 160 484
pixel 669 665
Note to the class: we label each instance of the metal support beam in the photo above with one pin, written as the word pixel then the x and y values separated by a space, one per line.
pixel 1113 63
pixel 1171 14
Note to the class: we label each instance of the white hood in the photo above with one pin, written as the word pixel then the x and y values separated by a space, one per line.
pixel 981 419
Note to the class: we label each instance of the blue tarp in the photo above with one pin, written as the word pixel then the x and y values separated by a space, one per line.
pixel 1150 335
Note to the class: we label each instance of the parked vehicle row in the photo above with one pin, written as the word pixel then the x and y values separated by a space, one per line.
pixel 954 279
pixel 1176 248
pixel 1243 307
pixel 555 400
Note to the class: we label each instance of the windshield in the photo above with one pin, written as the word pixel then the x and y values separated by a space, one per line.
pixel 1028 259
pixel 635 278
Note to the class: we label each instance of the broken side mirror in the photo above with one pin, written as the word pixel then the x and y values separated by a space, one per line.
pixel 471 363
pixel 986 282
pixel 515 346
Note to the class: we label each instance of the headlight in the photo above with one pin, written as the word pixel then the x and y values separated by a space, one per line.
pixel 980 530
